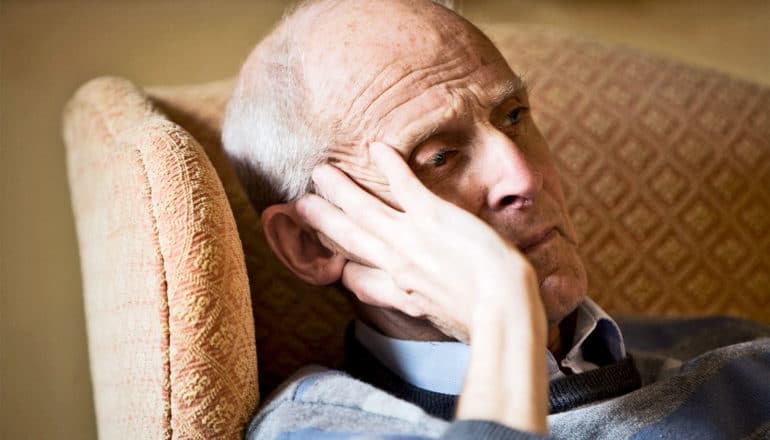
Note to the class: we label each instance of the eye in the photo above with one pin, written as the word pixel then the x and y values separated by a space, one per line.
pixel 514 116
pixel 440 158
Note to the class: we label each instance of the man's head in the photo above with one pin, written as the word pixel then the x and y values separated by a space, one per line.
pixel 336 76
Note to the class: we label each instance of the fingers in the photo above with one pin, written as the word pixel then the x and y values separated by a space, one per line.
pixel 406 188
pixel 363 208
pixel 330 221
pixel 376 288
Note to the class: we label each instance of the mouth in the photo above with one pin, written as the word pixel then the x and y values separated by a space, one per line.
pixel 535 241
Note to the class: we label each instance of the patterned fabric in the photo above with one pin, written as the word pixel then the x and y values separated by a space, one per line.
pixel 170 330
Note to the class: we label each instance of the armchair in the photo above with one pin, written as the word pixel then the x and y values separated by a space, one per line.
pixel 666 169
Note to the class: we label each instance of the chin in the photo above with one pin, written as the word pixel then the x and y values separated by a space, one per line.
pixel 563 290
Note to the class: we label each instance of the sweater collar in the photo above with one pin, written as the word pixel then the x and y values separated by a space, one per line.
pixel 440 366
pixel 564 393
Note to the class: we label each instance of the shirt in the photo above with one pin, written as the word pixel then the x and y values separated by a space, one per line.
pixel 440 366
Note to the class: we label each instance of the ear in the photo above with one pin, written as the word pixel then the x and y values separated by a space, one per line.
pixel 298 246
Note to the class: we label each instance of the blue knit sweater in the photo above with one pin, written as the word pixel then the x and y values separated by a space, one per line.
pixel 718 387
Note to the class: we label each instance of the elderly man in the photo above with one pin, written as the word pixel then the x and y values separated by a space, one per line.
pixel 389 146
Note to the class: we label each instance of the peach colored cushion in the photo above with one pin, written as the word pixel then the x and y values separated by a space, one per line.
pixel 171 335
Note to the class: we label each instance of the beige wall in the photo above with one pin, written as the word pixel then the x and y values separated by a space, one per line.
pixel 49 48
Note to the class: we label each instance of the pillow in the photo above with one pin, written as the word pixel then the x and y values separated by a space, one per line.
pixel 170 329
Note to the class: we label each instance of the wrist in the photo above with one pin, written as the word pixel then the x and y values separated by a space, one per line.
pixel 524 323
pixel 507 377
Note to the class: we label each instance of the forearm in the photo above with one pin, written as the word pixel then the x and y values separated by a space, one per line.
pixel 476 287
pixel 331 403
pixel 506 381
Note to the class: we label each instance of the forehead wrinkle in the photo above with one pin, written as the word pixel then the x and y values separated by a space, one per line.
pixel 357 115
pixel 446 85
pixel 404 52
pixel 359 110
pixel 355 122
pixel 460 105
pixel 421 130
pixel 500 93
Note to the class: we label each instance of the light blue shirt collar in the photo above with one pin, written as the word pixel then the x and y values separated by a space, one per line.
pixel 440 366
pixel 434 366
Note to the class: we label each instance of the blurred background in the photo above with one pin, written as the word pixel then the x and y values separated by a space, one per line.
pixel 49 48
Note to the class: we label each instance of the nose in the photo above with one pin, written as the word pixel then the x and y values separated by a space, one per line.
pixel 513 179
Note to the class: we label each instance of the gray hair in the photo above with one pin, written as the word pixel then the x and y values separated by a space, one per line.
pixel 272 145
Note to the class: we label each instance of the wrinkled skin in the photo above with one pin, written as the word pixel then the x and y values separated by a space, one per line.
pixel 434 88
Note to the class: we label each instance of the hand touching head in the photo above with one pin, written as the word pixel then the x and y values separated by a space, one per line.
pixel 337 76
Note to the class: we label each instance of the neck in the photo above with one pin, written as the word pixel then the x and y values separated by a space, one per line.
pixel 554 342
pixel 398 325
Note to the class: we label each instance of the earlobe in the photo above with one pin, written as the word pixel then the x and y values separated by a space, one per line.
pixel 298 247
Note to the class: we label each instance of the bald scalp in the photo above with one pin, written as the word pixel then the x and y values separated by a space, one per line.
pixel 370 45
pixel 287 107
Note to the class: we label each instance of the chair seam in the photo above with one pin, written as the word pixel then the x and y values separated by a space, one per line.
pixel 116 139
pixel 165 329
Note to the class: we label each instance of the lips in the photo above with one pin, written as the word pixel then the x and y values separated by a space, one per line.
pixel 532 242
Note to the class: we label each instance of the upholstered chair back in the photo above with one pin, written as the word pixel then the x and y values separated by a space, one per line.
pixel 666 169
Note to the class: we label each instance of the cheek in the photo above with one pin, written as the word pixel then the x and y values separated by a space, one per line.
pixel 541 155
pixel 563 281
pixel 552 183
pixel 464 190
pixel 537 149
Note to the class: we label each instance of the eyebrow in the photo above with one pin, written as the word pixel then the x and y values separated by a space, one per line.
pixel 510 89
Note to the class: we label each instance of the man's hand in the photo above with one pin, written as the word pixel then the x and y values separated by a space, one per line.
pixel 431 259
pixel 445 258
